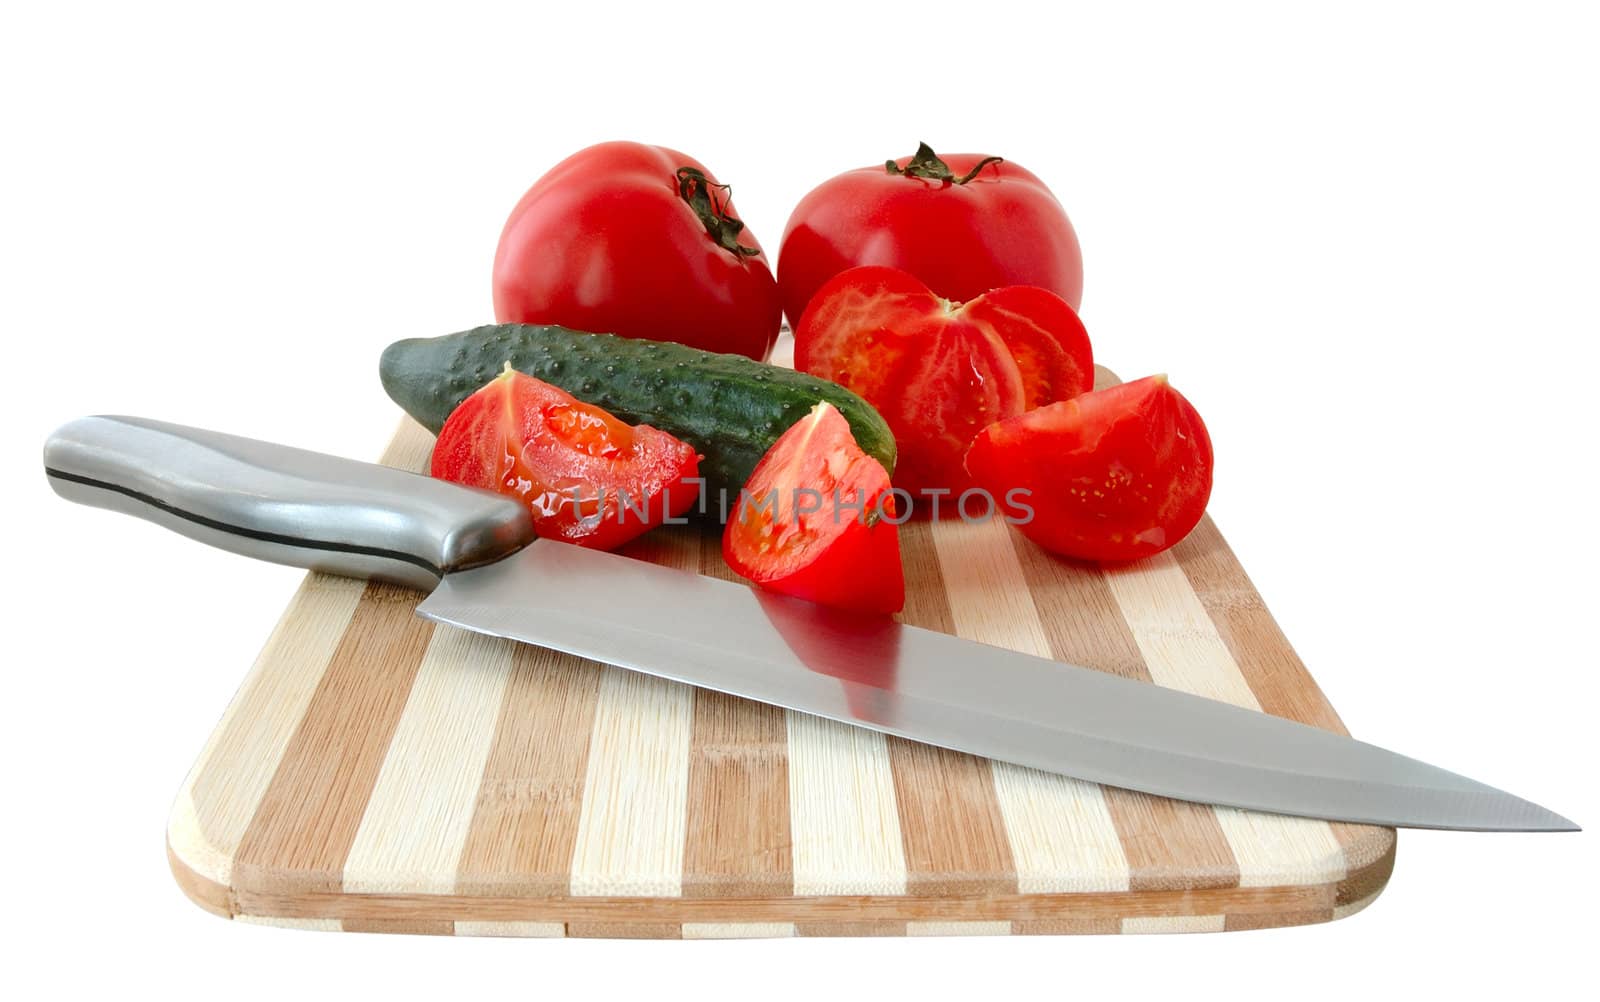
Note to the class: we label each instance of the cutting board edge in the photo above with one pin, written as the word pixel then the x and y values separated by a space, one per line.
pixel 1231 908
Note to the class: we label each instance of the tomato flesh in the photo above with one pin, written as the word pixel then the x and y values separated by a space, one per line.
pixel 815 520
pixel 607 242
pixel 937 370
pixel 587 477
pixel 1113 475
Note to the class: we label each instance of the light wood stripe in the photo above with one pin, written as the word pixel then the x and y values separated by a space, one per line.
pixel 635 793
pixel 986 588
pixel 218 899
pixel 1173 923
pixel 954 835
pixel 308 817
pixel 313 924
pixel 632 821
pixel 1275 851
pixel 845 825
pixel 517 930
pixel 526 821
pixel 1170 844
pixel 226 784
pixel 958 928
pixel 737 930
pixel 421 808
pixel 738 825
pixel 1183 651
pixel 624 930
pixel 1060 832
pixel 1180 646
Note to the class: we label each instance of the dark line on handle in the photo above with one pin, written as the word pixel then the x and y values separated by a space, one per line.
pixel 239 530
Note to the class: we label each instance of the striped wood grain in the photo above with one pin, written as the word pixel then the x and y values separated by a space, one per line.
pixel 376 773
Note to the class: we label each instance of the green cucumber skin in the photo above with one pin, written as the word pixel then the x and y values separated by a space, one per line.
pixel 729 407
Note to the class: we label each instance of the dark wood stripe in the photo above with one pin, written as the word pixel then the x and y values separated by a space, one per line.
pixel 739 842
pixel 668 546
pixel 526 819
pixel 1275 920
pixel 951 828
pixel 1170 844
pixel 1081 618
pixel 1269 664
pixel 711 563
pixel 407 927
pixel 1363 882
pixel 849 928
pixel 927 598
pixel 1094 925
pixel 301 832
pixel 525 826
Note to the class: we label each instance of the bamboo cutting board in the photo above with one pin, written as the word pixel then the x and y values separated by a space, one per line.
pixel 379 773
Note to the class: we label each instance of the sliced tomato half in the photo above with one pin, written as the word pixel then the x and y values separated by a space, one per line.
pixel 587 477
pixel 816 520
pixel 1113 475
pixel 940 371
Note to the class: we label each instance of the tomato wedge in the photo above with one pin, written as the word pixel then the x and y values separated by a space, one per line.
pixel 587 477
pixel 816 520
pixel 1113 475
pixel 940 371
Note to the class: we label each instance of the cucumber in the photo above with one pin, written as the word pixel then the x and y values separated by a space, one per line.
pixel 729 407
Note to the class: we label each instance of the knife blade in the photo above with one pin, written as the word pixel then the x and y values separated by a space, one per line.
pixel 477 555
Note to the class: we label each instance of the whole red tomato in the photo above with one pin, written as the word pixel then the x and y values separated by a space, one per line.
pixel 642 241
pixel 964 224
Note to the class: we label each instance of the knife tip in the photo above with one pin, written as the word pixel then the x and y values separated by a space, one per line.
pixel 1546 820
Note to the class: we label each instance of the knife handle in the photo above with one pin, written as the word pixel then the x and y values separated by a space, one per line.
pixel 285 505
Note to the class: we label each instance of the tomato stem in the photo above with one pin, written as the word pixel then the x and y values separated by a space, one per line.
pixel 926 164
pixel 709 201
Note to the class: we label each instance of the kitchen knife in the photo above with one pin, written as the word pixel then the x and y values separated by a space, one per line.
pixel 475 551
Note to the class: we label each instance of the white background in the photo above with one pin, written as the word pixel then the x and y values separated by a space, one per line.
pixel 1363 239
